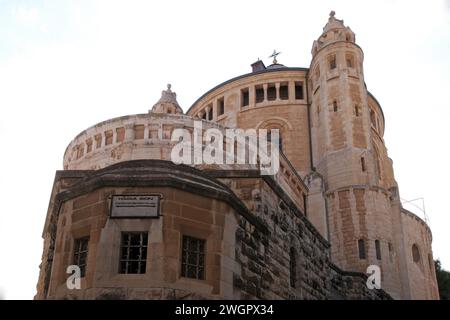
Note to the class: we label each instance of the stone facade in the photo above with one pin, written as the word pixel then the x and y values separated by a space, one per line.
pixel 307 232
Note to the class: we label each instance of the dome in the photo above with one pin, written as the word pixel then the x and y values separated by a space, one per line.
pixel 276 66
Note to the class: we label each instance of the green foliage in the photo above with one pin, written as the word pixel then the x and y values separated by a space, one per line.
pixel 443 280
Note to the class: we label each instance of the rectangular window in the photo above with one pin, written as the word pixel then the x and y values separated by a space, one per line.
pixel 80 254
pixel 271 92
pixel 210 114
pixel 298 91
pixel 378 249
pixel 221 106
pixel 89 145
pixel 120 134
pixel 363 164
pixel 244 97
pixel 98 141
pixel 80 151
pixel 259 91
pixel 193 258
pixel 108 137
pixel 284 92
pixel 139 131
pixel 357 112
pixel 361 249
pixel 133 252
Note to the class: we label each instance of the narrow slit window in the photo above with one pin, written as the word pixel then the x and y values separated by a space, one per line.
pixel 361 249
pixel 210 113
pixel 292 268
pixel 335 106
pixel 245 97
pixel 357 112
pixel 221 106
pixel 378 249
pixel 363 164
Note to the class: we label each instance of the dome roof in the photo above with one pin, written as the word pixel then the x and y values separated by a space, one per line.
pixel 276 66
pixel 167 103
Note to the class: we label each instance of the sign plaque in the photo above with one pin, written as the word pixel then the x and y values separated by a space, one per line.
pixel 135 206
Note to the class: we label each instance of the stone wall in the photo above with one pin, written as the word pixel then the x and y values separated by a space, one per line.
pixel 253 231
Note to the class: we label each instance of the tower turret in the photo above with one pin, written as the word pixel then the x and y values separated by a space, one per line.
pixel 360 223
pixel 167 103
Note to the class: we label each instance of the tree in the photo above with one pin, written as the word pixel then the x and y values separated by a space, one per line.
pixel 443 280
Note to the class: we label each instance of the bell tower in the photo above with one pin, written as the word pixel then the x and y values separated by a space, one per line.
pixel 360 226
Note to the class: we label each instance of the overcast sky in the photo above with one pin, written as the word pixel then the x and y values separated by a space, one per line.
pixel 66 65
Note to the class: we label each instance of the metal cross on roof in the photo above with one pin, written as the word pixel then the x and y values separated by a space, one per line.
pixel 274 56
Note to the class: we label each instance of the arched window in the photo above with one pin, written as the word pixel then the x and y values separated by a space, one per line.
pixel 415 253
pixel 292 268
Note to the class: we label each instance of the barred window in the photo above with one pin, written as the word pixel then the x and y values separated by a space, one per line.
pixel 80 254
pixel 193 258
pixel 133 255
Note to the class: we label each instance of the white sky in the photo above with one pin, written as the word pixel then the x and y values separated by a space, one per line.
pixel 66 65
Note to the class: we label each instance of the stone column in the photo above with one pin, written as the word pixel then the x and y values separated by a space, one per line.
pixel 265 86
pixel 94 141
pixel 251 97
pixel 114 136
pixel 103 139
pixel 207 112
pixel 277 91
pixel 291 89
pixel 129 132
pixel 146 132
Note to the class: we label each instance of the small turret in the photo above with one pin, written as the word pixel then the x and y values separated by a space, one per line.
pixel 334 30
pixel 167 103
